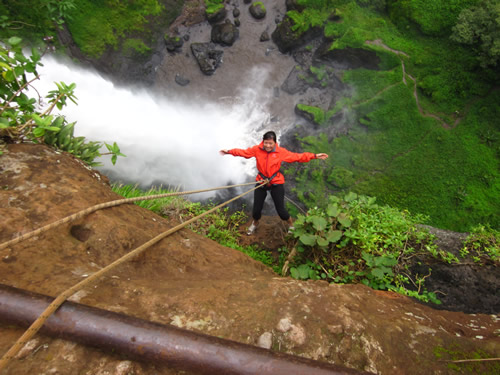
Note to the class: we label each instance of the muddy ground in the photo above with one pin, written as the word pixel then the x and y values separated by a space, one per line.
pixel 192 282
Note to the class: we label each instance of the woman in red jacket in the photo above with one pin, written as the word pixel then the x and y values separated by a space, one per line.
pixel 269 157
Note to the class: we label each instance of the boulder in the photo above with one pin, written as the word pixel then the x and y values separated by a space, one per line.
pixel 181 80
pixel 296 81
pixel 287 40
pixel 294 5
pixel 208 58
pixel 347 58
pixel 236 12
pixel 258 10
pixel 224 33
pixel 215 17
pixel 264 37
pixel 173 43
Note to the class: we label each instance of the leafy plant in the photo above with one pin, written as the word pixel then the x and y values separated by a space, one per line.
pixel 354 240
pixel 213 6
pixel 21 120
pixel 483 245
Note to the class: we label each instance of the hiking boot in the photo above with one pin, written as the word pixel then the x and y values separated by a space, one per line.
pixel 251 229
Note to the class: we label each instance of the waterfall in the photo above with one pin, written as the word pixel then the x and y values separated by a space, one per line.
pixel 167 141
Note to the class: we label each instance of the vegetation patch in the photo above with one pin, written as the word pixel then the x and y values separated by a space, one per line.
pixel 437 156
pixel 355 240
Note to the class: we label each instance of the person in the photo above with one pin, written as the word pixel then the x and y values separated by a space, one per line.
pixel 269 157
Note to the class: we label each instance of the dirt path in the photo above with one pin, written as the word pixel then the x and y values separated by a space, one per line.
pixel 424 113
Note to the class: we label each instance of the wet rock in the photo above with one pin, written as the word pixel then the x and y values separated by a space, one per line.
pixel 294 5
pixel 287 40
pixel 265 340
pixel 173 43
pixel 208 58
pixel 181 80
pixel 305 114
pixel 236 13
pixel 247 1
pixel 217 16
pixel 258 10
pixel 224 33
pixel 264 37
pixel 347 58
pixel 296 82
pixel 237 22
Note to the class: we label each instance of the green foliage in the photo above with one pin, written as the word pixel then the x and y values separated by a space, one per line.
pixel 319 115
pixel 479 26
pixel 213 6
pixel 98 26
pixel 454 352
pixel 21 120
pixel 314 14
pixel 482 245
pixel 378 5
pixel 222 227
pixel 354 240
pixel 33 19
pixel 434 17
pixel 155 205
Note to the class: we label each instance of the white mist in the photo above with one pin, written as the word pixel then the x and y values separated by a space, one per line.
pixel 167 141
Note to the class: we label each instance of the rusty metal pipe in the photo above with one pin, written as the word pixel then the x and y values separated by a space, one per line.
pixel 148 341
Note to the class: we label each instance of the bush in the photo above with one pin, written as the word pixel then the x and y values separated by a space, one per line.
pixel 354 240
pixel 21 120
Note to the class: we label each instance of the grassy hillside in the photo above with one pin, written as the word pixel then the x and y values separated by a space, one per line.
pixel 438 156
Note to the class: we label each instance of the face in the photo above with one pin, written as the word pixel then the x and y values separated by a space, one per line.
pixel 269 145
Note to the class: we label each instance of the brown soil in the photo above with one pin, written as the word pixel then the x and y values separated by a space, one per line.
pixel 193 282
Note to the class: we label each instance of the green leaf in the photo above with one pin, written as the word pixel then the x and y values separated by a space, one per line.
pixel 332 210
pixel 321 241
pixel 308 239
pixel 38 132
pixel 334 235
pixel 319 223
pixel 294 273
pixel 344 220
pixel 303 271
pixel 14 41
pixel 4 123
pixel 350 197
pixel 378 273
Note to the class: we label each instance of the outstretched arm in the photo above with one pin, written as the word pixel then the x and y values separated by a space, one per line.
pixel 245 153
pixel 304 157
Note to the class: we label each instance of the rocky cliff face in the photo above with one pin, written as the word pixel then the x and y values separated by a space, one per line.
pixel 191 282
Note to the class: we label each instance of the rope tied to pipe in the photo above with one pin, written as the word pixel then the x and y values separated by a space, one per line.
pixel 59 300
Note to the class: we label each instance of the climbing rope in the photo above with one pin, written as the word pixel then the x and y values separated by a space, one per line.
pixel 38 323
pixel 100 206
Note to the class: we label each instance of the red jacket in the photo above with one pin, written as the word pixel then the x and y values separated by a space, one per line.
pixel 268 163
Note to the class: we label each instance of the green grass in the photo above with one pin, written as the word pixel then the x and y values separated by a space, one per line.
pixel 395 153
pixel 155 205
pixel 98 26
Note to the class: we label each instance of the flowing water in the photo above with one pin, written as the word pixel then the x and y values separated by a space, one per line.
pixel 167 141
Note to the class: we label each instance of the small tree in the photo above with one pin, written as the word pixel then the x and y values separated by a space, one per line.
pixel 479 26
pixel 23 118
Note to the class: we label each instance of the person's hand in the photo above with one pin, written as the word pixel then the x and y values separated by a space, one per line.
pixel 223 152
pixel 322 156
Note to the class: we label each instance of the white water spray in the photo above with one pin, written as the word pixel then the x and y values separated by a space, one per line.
pixel 166 141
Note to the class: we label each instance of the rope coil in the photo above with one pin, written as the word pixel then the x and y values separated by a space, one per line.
pixel 59 300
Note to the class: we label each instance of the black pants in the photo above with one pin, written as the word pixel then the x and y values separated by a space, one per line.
pixel 278 195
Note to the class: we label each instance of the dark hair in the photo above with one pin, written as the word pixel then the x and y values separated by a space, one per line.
pixel 270 135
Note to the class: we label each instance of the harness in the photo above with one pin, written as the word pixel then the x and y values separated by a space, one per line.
pixel 269 178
